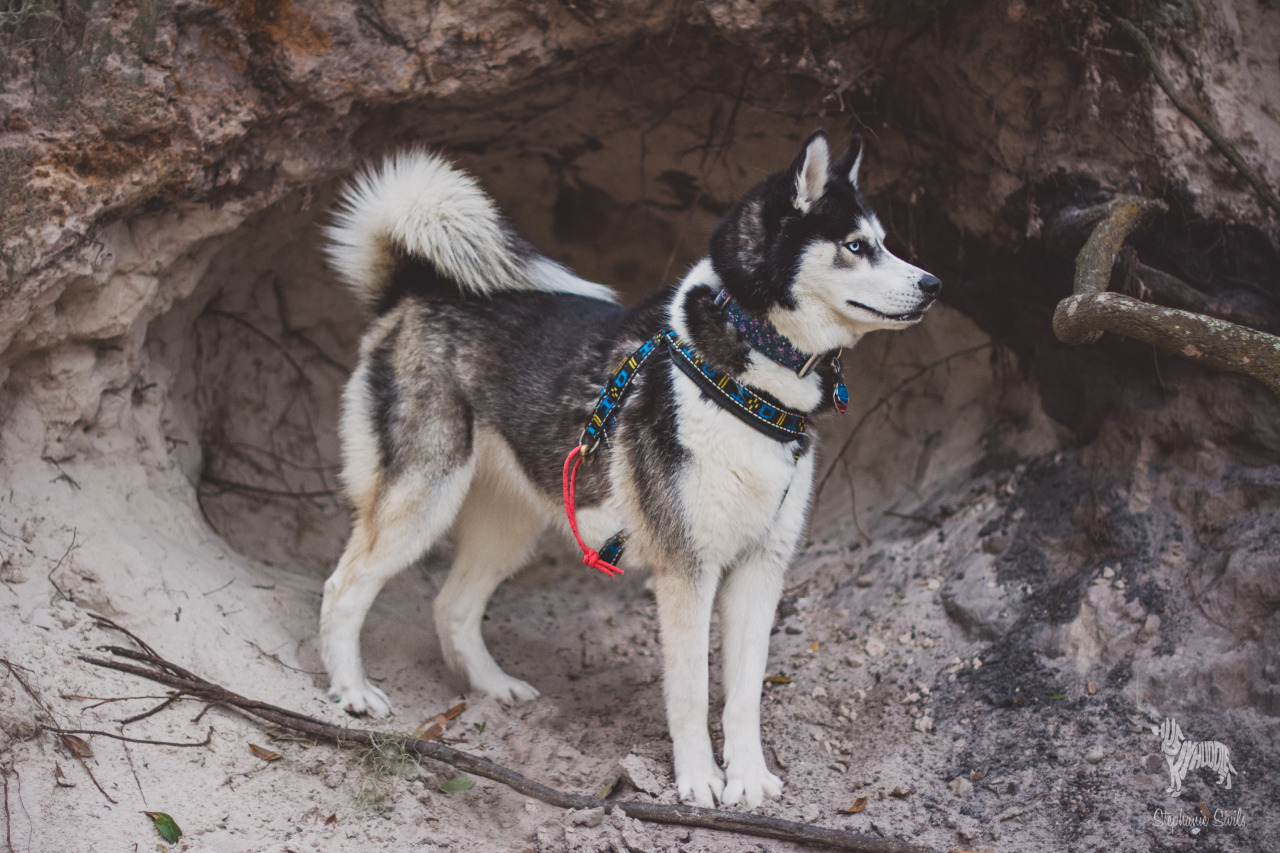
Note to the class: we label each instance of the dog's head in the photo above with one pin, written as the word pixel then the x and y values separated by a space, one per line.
pixel 803 250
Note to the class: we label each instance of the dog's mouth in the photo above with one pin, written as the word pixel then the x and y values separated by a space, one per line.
pixel 908 317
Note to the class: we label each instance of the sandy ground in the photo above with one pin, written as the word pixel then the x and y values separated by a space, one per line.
pixel 909 682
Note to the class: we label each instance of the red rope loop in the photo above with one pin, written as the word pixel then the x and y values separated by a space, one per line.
pixel 590 556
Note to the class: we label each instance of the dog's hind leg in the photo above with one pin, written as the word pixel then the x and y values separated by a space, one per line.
pixel 495 533
pixel 402 523
pixel 685 602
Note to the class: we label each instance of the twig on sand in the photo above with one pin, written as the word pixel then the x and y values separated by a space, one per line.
pixel 58 565
pixel 207 738
pixel 16 672
pixel 8 818
pixel 275 657
pixel 156 669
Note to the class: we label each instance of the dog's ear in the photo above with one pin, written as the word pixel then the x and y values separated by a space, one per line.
pixel 810 171
pixel 850 161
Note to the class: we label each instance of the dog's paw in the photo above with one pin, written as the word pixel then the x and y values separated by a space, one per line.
pixel 752 783
pixel 507 690
pixel 703 784
pixel 365 699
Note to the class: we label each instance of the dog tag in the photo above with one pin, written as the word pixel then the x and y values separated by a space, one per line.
pixel 839 394
pixel 840 397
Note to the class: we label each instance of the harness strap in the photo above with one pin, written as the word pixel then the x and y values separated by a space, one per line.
pixel 602 417
pixel 760 412
pixel 765 415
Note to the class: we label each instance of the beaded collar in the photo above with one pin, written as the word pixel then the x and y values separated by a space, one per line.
pixel 769 342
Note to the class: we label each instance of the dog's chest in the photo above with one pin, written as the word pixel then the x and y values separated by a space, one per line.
pixel 736 479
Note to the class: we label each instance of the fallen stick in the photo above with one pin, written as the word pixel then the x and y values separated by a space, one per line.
pixel 1082 317
pixel 161 671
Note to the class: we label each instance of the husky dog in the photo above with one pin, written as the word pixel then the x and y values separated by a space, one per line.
pixel 485 359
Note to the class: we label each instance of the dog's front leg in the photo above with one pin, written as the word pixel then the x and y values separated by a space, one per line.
pixel 748 601
pixel 685 600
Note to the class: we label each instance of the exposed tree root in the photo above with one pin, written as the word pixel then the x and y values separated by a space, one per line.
pixel 157 669
pixel 1082 317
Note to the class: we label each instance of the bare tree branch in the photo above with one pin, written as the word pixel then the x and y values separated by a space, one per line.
pixel 161 671
pixel 1082 317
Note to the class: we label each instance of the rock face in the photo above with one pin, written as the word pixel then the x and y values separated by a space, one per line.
pixel 1039 550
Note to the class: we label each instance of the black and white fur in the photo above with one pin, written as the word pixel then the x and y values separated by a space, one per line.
pixel 480 368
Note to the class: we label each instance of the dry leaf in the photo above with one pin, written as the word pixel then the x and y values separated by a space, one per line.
pixel 1093 687
pixel 424 731
pixel 79 746
pixel 60 778
pixel 858 805
pixel 897 792
pixel 777 679
pixel 1204 811
pixel 331 820
pixel 977 775
pixel 814 647
pixel 263 753
pixel 429 731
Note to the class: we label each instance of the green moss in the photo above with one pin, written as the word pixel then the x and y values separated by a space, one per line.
pixel 383 766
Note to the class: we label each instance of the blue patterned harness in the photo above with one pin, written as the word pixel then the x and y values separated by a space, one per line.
pixel 753 408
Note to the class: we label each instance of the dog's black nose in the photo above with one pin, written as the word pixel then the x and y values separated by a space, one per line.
pixel 930 285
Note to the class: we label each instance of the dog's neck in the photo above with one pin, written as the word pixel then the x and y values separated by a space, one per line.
pixel 764 337
pixel 696 316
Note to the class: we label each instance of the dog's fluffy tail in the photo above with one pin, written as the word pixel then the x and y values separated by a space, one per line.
pixel 418 206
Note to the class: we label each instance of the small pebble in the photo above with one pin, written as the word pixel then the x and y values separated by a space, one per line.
pixel 1095 755
pixel 961 786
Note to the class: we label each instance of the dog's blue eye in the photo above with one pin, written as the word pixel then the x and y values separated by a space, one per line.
pixel 854 246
